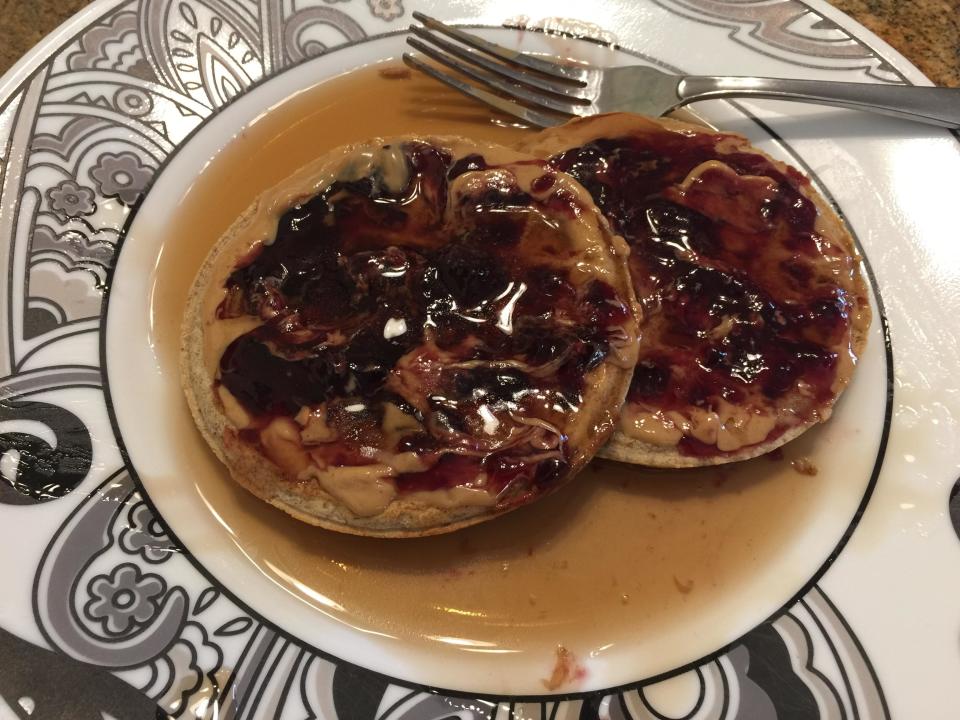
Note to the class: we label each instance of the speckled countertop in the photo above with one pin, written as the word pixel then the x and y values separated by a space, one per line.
pixel 926 31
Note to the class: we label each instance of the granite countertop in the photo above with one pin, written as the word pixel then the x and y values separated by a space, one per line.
pixel 927 32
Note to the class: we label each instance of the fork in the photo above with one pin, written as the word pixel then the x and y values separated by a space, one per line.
pixel 545 93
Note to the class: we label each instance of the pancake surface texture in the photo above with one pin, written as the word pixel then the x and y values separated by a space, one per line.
pixel 754 308
pixel 411 335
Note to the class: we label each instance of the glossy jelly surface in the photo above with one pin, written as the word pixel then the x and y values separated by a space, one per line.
pixel 746 302
pixel 399 319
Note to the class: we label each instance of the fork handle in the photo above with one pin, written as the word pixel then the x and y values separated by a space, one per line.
pixel 932 105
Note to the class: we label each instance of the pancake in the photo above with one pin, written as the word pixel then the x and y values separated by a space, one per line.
pixel 410 336
pixel 754 307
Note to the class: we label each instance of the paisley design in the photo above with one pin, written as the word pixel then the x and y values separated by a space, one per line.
pixel 222 76
pixel 112 44
pixel 788 30
pixel 188 43
pixel 312 31
pixel 132 618
pixel 45 451
pixel 114 595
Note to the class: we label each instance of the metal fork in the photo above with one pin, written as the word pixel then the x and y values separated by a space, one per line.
pixel 546 93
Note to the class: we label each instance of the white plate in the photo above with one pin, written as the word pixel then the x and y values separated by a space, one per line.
pixel 849 621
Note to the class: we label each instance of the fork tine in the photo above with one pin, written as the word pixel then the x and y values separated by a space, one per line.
pixel 524 78
pixel 517 92
pixel 509 107
pixel 558 72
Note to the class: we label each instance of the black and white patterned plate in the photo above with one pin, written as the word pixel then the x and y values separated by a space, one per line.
pixel 110 610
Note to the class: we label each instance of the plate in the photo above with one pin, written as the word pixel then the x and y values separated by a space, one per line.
pixel 127 580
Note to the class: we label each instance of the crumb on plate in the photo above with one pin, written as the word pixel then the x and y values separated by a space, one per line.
pixel 395 73
pixel 566 670
pixel 805 466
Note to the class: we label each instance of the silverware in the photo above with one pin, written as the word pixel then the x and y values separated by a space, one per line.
pixel 546 93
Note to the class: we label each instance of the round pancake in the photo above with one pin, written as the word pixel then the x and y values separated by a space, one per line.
pixel 410 336
pixel 754 307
